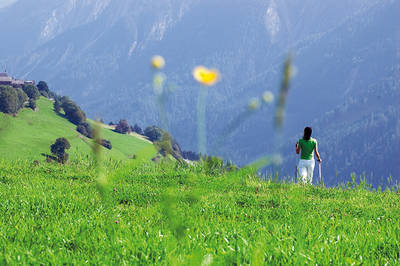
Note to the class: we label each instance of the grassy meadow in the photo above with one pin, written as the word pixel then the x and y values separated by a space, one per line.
pixel 111 209
pixel 145 213
pixel 31 133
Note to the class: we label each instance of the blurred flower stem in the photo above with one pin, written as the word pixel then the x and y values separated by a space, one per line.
pixel 280 109
pixel 201 120
pixel 207 77
pixel 158 63
pixel 276 158
pixel 161 104
pixel 102 182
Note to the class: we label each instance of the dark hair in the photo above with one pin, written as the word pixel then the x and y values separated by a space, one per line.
pixel 307 133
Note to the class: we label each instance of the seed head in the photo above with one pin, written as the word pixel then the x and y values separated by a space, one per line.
pixel 254 104
pixel 268 97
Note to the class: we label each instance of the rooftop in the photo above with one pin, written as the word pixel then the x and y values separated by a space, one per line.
pixel 18 82
pixel 5 78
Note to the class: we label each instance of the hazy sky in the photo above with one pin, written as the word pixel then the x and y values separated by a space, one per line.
pixel 4 3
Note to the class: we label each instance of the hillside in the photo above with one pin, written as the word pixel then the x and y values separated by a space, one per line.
pixel 183 215
pixel 97 52
pixel 31 133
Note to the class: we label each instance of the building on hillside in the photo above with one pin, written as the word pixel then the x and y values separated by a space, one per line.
pixel 5 79
pixel 15 83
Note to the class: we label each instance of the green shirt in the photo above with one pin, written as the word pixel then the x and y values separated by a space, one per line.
pixel 307 148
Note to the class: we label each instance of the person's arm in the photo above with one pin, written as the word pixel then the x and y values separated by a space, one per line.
pixel 297 148
pixel 317 154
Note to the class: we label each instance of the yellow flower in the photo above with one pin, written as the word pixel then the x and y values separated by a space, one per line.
pixel 158 62
pixel 206 76
pixel 268 97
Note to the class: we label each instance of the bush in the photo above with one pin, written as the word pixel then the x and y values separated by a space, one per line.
pixel 137 129
pixel 44 94
pixel 43 89
pixel 72 111
pixel 167 145
pixel 32 104
pixel 164 145
pixel 153 133
pixel 213 165
pixel 106 143
pixel 9 100
pixel 57 106
pixel 22 98
pixel 123 127
pixel 58 149
pixel 85 129
pixel 31 91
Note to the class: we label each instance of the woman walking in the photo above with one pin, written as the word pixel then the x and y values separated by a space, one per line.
pixel 307 145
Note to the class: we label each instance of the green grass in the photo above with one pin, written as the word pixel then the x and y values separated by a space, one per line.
pixel 171 214
pixel 31 133
pixel 138 212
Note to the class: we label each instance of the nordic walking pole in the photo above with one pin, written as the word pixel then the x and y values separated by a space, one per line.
pixel 320 174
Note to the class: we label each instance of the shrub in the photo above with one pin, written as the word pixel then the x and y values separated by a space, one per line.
pixel 106 143
pixel 32 104
pixel 43 89
pixel 137 129
pixel 164 145
pixel 123 127
pixel 153 133
pixel 31 91
pixel 57 106
pixel 72 111
pixel 8 100
pixel 44 94
pixel 58 149
pixel 22 98
pixel 76 117
pixel 85 129
pixel 213 165
pixel 167 145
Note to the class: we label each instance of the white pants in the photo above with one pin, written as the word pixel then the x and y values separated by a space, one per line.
pixel 306 170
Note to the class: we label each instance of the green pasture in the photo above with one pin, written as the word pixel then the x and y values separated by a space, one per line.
pixel 171 214
pixel 31 133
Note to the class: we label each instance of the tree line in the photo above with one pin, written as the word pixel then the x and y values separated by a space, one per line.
pixel 163 140
pixel 14 99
